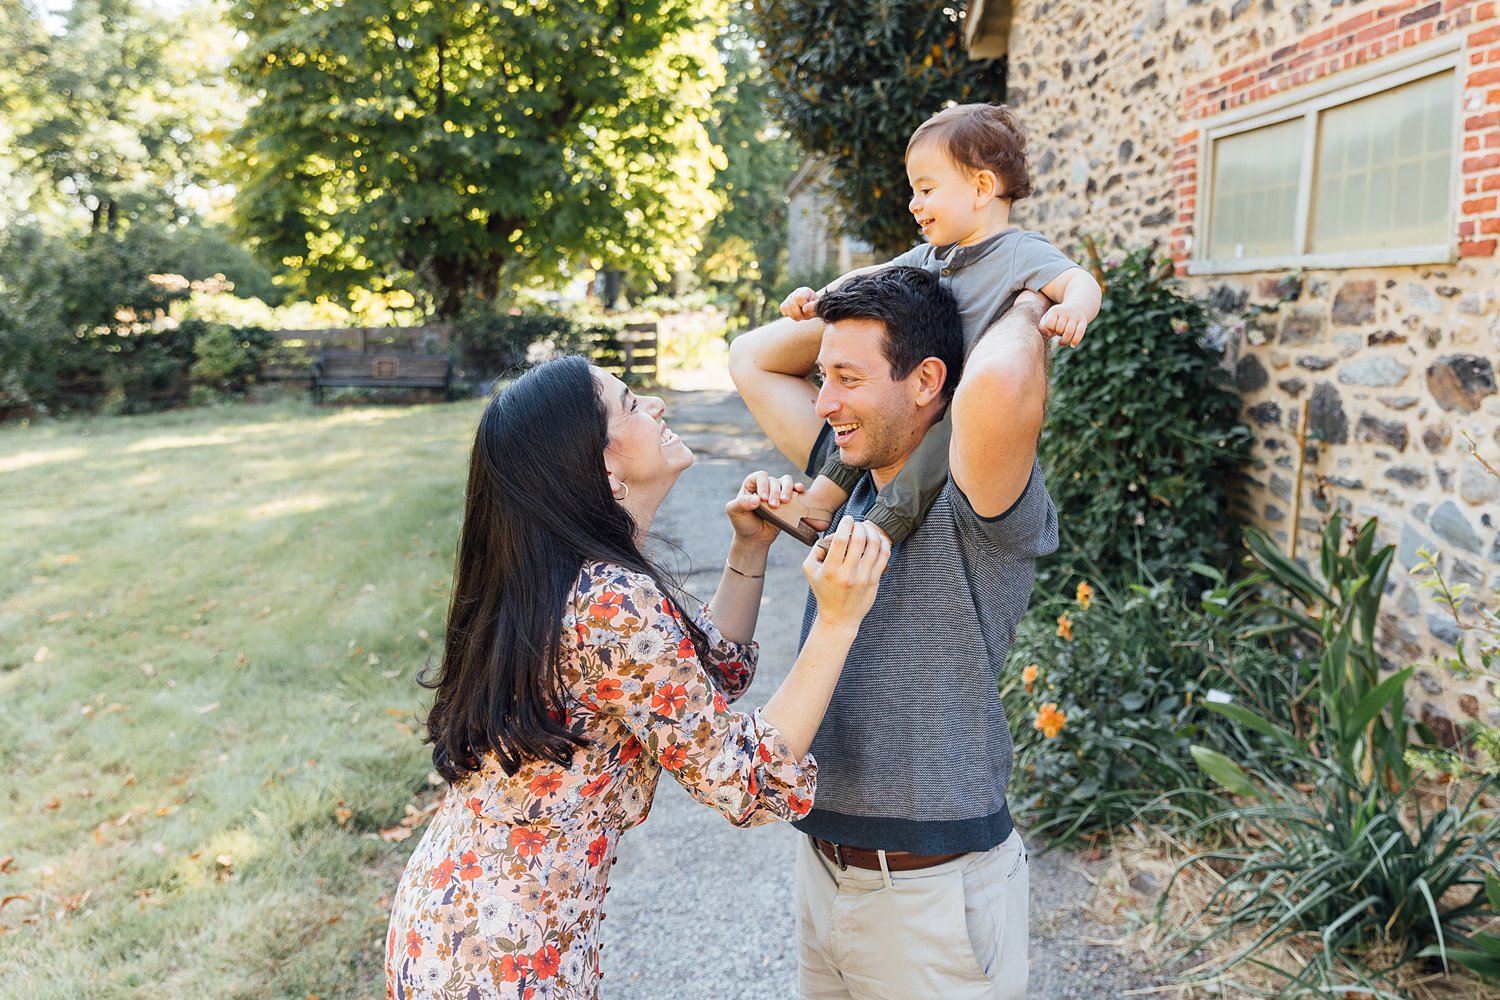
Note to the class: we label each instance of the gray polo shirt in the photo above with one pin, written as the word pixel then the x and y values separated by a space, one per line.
pixel 986 277
pixel 914 753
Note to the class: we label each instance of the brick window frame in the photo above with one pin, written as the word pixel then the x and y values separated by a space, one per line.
pixel 1307 102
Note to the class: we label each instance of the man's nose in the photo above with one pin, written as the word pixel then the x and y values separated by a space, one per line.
pixel 654 405
pixel 827 404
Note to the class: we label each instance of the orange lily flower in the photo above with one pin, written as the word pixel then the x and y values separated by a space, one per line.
pixel 1065 627
pixel 1050 721
pixel 1085 595
pixel 1029 676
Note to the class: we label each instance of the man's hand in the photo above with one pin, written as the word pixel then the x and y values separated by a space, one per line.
pixel 801 304
pixel 1065 322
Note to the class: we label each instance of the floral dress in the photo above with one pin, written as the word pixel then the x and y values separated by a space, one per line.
pixel 502 896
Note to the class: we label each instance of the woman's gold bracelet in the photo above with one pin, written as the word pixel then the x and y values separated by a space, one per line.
pixel 740 572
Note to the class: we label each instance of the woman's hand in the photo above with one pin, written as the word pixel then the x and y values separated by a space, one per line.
pixel 846 578
pixel 759 488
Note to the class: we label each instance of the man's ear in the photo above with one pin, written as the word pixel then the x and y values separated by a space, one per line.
pixel 929 376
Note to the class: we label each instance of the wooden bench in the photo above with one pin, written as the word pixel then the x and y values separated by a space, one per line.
pixel 383 370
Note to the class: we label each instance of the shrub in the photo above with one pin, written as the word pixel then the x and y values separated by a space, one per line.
pixel 1123 670
pixel 81 324
pixel 493 343
pixel 225 359
pixel 1143 437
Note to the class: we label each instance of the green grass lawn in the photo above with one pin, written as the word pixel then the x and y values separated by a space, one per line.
pixel 210 627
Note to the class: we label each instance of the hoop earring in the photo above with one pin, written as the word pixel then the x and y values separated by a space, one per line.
pixel 621 496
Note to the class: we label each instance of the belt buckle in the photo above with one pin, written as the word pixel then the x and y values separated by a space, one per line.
pixel 838 858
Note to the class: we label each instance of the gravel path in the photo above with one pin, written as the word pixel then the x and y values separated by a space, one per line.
pixel 698 909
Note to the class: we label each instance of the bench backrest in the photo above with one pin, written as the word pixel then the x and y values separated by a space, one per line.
pixel 338 364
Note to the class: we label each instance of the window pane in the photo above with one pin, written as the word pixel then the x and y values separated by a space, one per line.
pixel 1254 207
pixel 1358 206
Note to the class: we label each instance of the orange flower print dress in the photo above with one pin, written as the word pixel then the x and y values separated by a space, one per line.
pixel 502 896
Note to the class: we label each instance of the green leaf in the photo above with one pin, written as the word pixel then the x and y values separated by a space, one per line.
pixel 1376 700
pixel 1224 771
pixel 1245 717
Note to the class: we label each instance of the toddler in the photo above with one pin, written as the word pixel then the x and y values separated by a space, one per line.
pixel 966 164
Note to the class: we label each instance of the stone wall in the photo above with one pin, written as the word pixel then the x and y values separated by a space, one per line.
pixel 1394 365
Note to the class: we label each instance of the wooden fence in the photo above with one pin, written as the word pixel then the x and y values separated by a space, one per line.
pixel 630 353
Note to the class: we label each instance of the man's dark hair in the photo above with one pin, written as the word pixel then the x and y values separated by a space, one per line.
pixel 920 316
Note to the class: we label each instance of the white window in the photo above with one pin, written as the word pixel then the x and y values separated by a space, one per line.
pixel 1355 173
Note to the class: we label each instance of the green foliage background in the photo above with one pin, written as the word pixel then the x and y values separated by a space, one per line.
pixel 853 79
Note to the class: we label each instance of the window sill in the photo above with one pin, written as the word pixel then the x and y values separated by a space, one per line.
pixel 1386 257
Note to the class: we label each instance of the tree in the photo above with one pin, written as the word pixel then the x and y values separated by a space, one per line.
pixel 743 249
pixel 111 105
pixel 854 78
pixel 460 141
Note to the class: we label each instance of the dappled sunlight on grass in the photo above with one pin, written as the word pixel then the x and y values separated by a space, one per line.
pixel 210 649
pixel 180 441
pixel 28 459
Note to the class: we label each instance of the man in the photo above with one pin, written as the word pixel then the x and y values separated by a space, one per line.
pixel 912 881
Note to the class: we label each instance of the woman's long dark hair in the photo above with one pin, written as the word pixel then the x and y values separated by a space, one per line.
pixel 538 506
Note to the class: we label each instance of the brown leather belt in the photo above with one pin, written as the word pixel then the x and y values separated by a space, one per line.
pixel 896 861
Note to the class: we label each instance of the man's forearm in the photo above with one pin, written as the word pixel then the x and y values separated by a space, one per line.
pixel 785 347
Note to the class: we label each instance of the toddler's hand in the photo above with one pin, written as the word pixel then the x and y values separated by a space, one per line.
pixel 1066 323
pixel 801 304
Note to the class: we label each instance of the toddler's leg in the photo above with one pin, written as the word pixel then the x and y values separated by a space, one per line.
pixel 905 500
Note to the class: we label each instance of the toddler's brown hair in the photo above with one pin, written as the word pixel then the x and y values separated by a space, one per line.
pixel 981 137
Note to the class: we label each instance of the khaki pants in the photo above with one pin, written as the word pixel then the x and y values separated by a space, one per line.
pixel 956 931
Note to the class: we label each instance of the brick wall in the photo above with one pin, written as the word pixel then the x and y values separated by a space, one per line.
pixel 1357 39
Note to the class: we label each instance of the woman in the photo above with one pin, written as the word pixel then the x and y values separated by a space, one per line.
pixel 572 674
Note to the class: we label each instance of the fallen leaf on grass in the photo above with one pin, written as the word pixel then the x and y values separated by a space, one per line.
pixel 61 616
pixel 40 655
pixel 148 670
pixel 373 661
pixel 397 712
pixel 342 815
pixel 403 729
pixel 205 709
pixel 11 899
pixel 6 863
pixel 422 634
pixel 54 802
pixel 74 902
pixel 243 660
pixel 414 818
